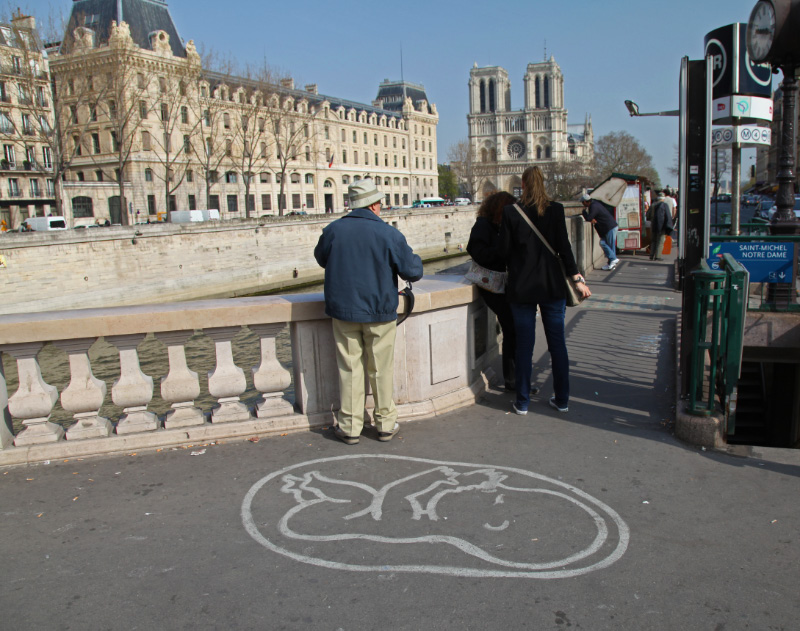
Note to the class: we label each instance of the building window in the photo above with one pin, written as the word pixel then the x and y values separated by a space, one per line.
pixel 47 160
pixel 226 120
pixel 13 187
pixel 148 175
pixel 142 109
pixel 96 143
pixel 207 118
pixel 173 206
pixel 112 110
pixel 376 159
pixel 186 145
pixel 355 136
pixel 345 179
pixel 327 133
pixel 189 175
pixel 162 85
pixel 295 178
pixel 355 157
pixel 228 147
pixel 114 141
pixel 140 81
pixel 309 200
pixel 146 141
pixel 266 202
pixel 192 202
pixel 151 205
pixel 344 156
pixel 296 201
pixel 404 162
pixel 79 175
pixel 82 207
pixel 344 138
pixel 309 178
pixel 265 177
pixel 233 204
pixel 164 112
pixel 250 200
pixel 99 175
pixel 213 202
pixel 184 115
pixel 230 177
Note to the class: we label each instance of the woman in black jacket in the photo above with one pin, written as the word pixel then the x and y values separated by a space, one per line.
pixel 535 279
pixel 484 248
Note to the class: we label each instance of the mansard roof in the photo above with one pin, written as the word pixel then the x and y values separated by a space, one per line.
pixel 392 94
pixel 216 78
pixel 143 16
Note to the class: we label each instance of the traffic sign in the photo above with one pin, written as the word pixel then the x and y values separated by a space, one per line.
pixel 742 135
pixel 767 262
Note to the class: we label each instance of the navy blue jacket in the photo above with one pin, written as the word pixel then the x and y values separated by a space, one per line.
pixel 363 256
pixel 605 220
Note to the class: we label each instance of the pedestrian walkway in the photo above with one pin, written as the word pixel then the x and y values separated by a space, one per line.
pixel 479 519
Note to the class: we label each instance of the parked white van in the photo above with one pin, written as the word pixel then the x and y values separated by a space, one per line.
pixel 42 224
pixel 462 201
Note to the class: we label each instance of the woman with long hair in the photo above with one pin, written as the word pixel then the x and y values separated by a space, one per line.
pixel 484 248
pixel 535 280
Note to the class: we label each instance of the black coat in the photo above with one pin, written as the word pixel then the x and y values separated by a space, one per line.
pixel 605 220
pixel 661 222
pixel 534 274
pixel 484 245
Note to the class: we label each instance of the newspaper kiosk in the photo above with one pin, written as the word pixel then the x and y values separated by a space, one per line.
pixel 627 197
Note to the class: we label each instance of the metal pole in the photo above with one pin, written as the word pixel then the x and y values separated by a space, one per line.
pixel 736 192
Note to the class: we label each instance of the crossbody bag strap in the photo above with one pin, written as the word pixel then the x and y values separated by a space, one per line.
pixel 535 230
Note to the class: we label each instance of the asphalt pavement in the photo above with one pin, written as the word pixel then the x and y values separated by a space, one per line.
pixel 480 519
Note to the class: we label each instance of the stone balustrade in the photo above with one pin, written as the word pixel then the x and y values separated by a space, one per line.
pixel 443 353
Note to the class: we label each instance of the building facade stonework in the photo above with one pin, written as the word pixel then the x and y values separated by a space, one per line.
pixel 504 142
pixel 26 164
pixel 138 107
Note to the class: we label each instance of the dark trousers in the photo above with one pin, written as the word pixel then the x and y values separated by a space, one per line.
pixel 499 305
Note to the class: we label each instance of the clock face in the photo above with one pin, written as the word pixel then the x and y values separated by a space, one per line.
pixel 516 149
pixel 761 31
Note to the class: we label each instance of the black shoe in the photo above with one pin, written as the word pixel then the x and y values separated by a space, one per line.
pixel 347 440
pixel 387 436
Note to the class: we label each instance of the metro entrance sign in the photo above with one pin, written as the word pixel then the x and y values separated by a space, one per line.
pixel 744 135
pixel 767 262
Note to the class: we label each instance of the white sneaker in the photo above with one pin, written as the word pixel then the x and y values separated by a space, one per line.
pixel 607 267
pixel 614 263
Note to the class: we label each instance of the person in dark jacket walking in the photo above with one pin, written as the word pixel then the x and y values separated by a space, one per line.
pixel 660 216
pixel 363 256
pixel 535 279
pixel 606 227
pixel 484 248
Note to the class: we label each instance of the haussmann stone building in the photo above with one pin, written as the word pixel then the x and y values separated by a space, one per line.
pixel 133 102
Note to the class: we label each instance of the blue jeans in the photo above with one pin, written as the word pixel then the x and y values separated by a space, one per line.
pixel 553 313
pixel 609 244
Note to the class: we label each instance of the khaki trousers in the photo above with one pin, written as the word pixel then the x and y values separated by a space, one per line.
pixel 360 344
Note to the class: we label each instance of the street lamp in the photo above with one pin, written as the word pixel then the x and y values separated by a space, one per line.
pixel 633 110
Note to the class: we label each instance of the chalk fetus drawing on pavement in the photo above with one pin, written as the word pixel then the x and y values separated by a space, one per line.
pixel 387 513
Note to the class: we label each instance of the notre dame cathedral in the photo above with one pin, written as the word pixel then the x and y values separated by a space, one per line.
pixel 505 142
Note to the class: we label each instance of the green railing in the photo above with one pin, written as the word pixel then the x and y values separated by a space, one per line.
pixel 756 227
pixel 718 306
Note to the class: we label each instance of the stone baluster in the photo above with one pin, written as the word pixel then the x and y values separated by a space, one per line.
pixel 181 386
pixel 84 395
pixel 133 390
pixel 34 399
pixel 270 378
pixel 227 381
pixel 6 429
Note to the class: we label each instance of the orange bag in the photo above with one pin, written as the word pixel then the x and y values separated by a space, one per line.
pixel 667 245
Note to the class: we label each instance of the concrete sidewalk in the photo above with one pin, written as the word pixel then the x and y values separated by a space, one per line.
pixel 481 519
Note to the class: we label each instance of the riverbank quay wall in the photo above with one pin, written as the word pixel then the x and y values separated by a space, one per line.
pixel 158 263
pixel 443 361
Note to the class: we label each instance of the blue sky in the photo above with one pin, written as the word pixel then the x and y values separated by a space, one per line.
pixel 608 50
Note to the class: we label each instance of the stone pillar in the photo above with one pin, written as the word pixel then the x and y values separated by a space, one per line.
pixel 34 399
pixel 133 390
pixel 270 378
pixel 84 395
pixel 227 381
pixel 181 386
pixel 6 428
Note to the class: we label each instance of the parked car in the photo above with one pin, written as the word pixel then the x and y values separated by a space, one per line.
pixel 771 212
pixel 43 224
pixel 462 201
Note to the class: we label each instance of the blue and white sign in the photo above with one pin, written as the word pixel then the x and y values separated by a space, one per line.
pixel 767 262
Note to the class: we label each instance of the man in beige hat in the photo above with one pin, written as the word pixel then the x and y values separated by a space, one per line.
pixel 362 257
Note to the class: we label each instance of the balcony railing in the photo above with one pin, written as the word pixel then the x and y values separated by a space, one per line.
pixel 287 339
pixel 14 192
pixel 36 193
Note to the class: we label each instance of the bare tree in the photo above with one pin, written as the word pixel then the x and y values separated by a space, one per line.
pixel 619 152
pixel 177 88
pixel 126 104
pixel 464 162
pixel 208 142
pixel 57 117
pixel 291 124
pixel 566 179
